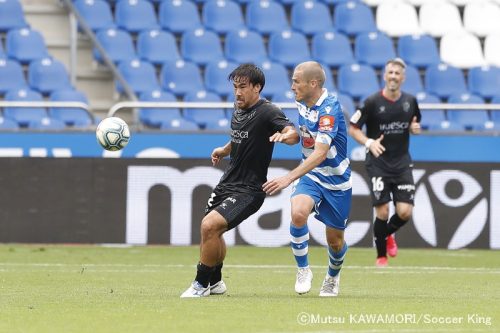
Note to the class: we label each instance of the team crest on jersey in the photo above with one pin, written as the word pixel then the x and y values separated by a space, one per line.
pixel 328 109
pixel 406 106
pixel 381 109
pixel 326 123
pixel 307 137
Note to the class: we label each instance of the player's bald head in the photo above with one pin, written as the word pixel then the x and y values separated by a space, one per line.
pixel 311 70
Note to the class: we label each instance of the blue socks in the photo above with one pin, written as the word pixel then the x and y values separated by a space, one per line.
pixel 336 259
pixel 300 244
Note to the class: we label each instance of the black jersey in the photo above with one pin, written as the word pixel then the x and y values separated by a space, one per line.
pixel 251 151
pixel 393 119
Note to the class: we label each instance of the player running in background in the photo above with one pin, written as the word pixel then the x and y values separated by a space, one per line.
pixel 256 125
pixel 390 116
pixel 324 177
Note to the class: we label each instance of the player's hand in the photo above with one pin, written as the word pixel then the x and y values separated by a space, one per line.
pixel 376 147
pixel 217 155
pixel 414 126
pixel 278 137
pixel 277 184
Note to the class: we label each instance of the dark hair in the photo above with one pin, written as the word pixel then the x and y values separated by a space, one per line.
pixel 253 73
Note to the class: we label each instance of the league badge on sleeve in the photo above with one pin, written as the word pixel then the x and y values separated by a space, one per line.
pixel 326 123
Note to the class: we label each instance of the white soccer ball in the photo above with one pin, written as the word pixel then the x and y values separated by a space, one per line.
pixel 113 133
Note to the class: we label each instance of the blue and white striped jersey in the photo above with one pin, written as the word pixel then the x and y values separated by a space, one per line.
pixel 324 122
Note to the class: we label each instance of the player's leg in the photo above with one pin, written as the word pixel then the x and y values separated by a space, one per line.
pixel 380 233
pixel 217 285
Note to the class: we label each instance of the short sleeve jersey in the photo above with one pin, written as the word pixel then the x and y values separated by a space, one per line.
pixel 251 151
pixel 324 122
pixel 392 119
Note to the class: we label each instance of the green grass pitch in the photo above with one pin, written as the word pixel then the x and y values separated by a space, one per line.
pixel 55 288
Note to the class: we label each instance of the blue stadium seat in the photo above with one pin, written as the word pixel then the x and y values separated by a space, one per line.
pixel 179 124
pixel 216 78
pixel 135 16
pixel 432 119
pixel 156 117
pixel 11 75
pixel 46 75
pixel 443 80
pixel 288 47
pixel 24 115
pixel 373 48
pixel 11 15
pixel 347 105
pixel 222 16
pixel 206 118
pixel 201 46
pixel 266 17
pixel 117 43
pixel 96 13
pixel 353 17
pixel 418 50
pixel 310 17
pixel 47 123
pixel 8 124
pixel 329 83
pixel 335 2
pixel 277 79
pixel 484 81
pixel 178 16
pixel 413 81
pixel 239 42
pixel 157 46
pixel 357 80
pixel 140 76
pixel 25 45
pixel 73 117
pixel 468 119
pixel 180 77
pixel 287 96
pixel 332 48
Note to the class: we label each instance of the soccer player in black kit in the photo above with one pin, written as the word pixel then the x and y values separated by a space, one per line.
pixel 390 116
pixel 256 125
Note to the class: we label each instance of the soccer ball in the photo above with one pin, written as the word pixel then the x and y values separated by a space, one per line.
pixel 113 133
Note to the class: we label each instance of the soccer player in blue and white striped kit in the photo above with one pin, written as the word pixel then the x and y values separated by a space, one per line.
pixel 324 176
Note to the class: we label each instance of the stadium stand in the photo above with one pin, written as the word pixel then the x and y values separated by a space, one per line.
pixel 461 50
pixel 266 17
pixel 157 46
pixel 481 18
pixel 25 45
pixel 492 49
pixel 413 81
pixel 238 42
pixel 11 15
pixel 180 77
pixel 140 75
pixel 216 74
pixel 353 17
pixel 178 16
pixel 11 76
pixel 439 17
pixel 332 48
pixel 47 75
pixel 206 118
pixel 418 50
pixel 397 18
pixel 310 17
pixel 484 81
pixel 201 46
pixel 357 80
pixel 443 80
pixel 222 16
pixel 24 116
pixel 73 117
pixel 96 13
pixel 117 43
pixel 373 48
pixel 277 79
pixel 468 119
pixel 135 16
pixel 288 47
pixel 158 117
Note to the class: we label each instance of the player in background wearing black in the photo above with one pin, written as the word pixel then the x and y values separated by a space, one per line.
pixel 256 125
pixel 390 116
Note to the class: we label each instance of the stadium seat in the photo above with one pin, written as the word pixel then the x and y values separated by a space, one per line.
pixel 178 16
pixel 443 80
pixel 492 49
pixel 201 46
pixel 96 13
pixel 287 96
pixel 74 117
pixel 25 45
pixel 418 3
pixel 216 78
pixel 157 46
pixel 288 47
pixel 24 115
pixel 46 75
pixel 310 17
pixel 222 16
pixel 277 78
pixel 47 123
pixel 397 18
pixel 495 114
pixel 118 45
pixel 11 75
pixel 481 18
pixel 373 48
pixel 239 42
pixel 357 80
pixel 135 16
pixel 332 48
pixel 329 82
pixel 353 17
pixel 179 124
pixel 180 77
pixel 462 50
pixel 266 17
pixel 484 81
pixel 469 119
pixel 206 118
pixel 8 124
pixel 418 50
pixel 413 81
pixel 139 75
pixel 439 17
pixel 432 119
pixel 11 15
pixel 157 117
pixel 347 105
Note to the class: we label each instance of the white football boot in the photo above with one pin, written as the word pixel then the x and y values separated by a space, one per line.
pixel 304 280
pixel 218 289
pixel 196 290
pixel 330 287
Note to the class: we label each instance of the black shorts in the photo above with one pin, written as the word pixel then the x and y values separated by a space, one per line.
pixel 402 187
pixel 234 207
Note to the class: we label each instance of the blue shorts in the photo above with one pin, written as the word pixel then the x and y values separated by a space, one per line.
pixel 331 207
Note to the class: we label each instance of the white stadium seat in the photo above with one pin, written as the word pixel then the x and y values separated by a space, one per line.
pixel 439 17
pixel 397 18
pixel 461 49
pixel 482 17
pixel 492 49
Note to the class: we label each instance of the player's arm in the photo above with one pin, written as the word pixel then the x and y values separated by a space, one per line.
pixel 374 146
pixel 316 158
pixel 288 135
pixel 220 152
